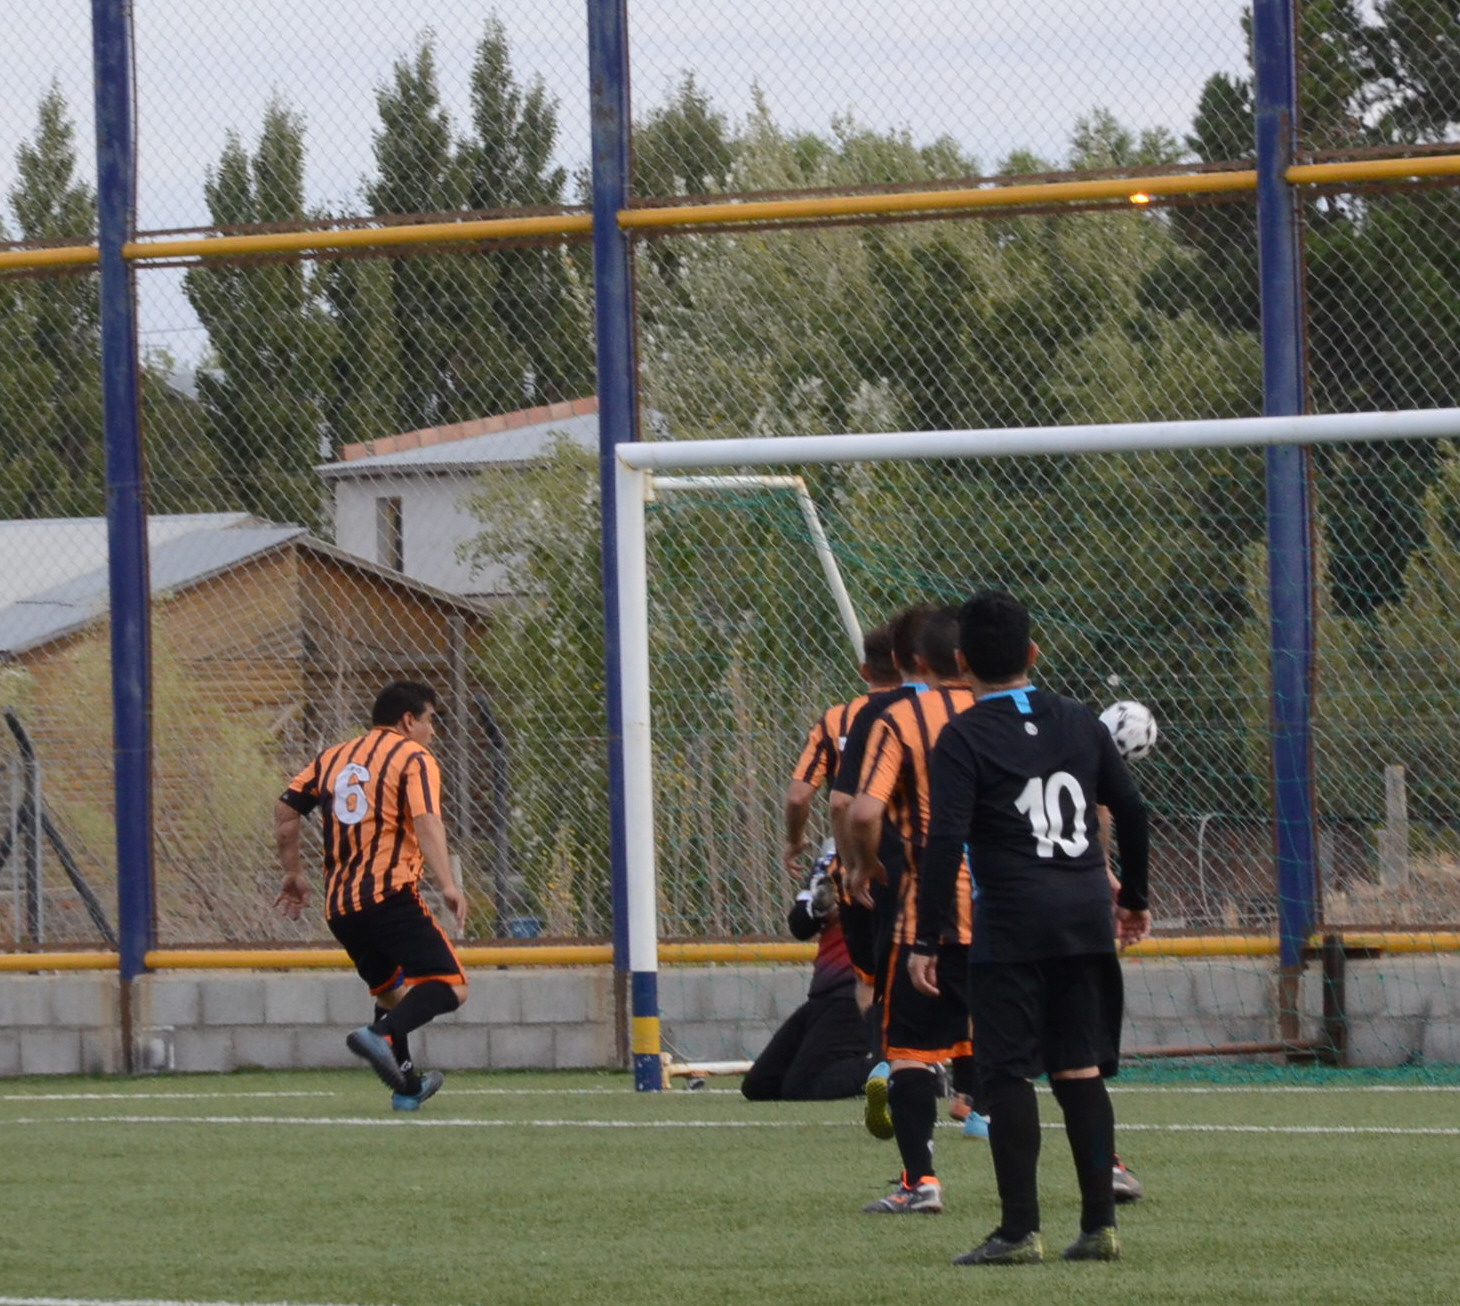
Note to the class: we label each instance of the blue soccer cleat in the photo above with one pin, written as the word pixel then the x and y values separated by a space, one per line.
pixel 878 1115
pixel 431 1083
pixel 976 1126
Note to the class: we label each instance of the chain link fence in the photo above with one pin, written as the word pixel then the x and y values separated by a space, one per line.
pixel 367 465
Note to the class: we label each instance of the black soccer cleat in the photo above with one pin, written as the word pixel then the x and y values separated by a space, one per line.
pixel 372 1047
pixel 1097 1245
pixel 997 1250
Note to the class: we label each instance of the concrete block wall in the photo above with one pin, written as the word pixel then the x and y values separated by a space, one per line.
pixel 1401 1009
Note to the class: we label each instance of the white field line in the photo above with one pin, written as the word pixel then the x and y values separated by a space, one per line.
pixel 1197 1090
pixel 128 1301
pixel 678 1095
pixel 147 1097
pixel 414 1122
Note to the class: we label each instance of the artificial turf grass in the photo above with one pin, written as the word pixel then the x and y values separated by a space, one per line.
pixel 340 1213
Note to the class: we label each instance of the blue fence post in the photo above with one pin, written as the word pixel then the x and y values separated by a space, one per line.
pixel 613 311
pixel 1289 495
pixel 126 505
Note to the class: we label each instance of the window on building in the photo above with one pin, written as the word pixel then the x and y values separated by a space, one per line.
pixel 390 545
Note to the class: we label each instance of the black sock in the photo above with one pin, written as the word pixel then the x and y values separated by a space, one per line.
pixel 1014 1143
pixel 872 1023
pixel 1090 1125
pixel 422 1004
pixel 400 1045
pixel 912 1097
pixel 963 1079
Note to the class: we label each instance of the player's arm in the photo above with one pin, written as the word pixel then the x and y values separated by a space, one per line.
pixel 797 812
pixel 1128 811
pixel 838 808
pixel 864 819
pixel 431 835
pixel 952 787
pixel 881 768
pixel 812 769
pixel 1103 832
pixel 423 790
pixel 847 783
pixel 295 803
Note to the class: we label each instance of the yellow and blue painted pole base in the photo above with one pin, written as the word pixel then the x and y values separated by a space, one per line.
pixel 648 1061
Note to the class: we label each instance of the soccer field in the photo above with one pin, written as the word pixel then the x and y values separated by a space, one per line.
pixel 565 1189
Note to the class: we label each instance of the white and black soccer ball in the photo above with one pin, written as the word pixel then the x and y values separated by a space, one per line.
pixel 1133 727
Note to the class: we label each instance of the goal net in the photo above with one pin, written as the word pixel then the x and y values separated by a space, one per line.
pixel 1143 553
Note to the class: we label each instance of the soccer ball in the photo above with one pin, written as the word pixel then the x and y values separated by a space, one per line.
pixel 1132 726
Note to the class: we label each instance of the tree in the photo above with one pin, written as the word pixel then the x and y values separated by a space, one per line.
pixel 29 468
pixel 543 660
pixel 427 298
pixel 62 469
pixel 476 331
pixel 265 393
pixel 540 300
pixel 683 146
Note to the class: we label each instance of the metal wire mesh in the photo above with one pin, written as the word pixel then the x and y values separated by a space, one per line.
pixel 367 465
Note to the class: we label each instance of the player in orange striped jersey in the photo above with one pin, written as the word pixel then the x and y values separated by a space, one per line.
pixel 817 765
pixel 919 1031
pixel 379 798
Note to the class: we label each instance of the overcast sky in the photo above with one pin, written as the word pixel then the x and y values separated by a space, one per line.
pixel 996 75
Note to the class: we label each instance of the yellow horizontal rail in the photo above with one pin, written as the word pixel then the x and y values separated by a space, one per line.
pixel 37 961
pixel 1131 189
pixel 421 233
pixel 700 953
pixel 1210 945
pixel 1392 942
pixel 1134 190
pixel 1327 174
pixel 572 954
pixel 18 260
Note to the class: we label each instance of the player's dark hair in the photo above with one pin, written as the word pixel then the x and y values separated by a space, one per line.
pixel 993 632
pixel 877 654
pixel 938 643
pixel 398 698
pixel 906 626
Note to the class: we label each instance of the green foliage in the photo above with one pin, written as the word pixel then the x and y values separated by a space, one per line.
pixel 1394 687
pixel 52 383
pixel 265 390
pixel 447 337
pixel 543 661
pixel 683 146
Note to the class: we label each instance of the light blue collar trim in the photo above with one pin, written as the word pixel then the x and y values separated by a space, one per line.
pixel 1019 695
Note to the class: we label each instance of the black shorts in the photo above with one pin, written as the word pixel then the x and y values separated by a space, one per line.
pixel 397 941
pixel 916 1027
pixel 1038 1017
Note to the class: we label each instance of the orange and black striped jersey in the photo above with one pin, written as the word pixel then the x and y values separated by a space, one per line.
pixel 823 751
pixel 369 791
pixel 895 771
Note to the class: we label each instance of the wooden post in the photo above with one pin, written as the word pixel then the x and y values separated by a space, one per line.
pixel 460 725
pixel 1394 834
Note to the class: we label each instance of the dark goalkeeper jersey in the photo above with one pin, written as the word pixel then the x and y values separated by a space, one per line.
pixel 1017 780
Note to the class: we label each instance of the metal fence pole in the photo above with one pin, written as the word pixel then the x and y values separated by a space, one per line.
pixel 126 493
pixel 1289 498
pixel 608 71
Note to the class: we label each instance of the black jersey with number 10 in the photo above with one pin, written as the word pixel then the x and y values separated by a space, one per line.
pixel 1017 779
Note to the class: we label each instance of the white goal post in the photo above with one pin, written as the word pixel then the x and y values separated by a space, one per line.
pixel 637 466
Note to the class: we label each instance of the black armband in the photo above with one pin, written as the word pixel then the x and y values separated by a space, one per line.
pixel 301 803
